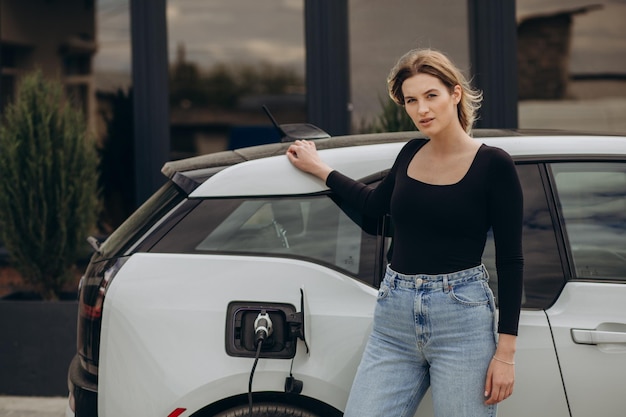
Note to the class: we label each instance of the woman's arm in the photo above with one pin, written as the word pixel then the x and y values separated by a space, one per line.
pixel 369 200
pixel 506 210
pixel 507 214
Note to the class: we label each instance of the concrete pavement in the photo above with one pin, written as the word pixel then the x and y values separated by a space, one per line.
pixel 32 406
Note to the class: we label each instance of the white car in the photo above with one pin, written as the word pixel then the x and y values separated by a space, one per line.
pixel 171 302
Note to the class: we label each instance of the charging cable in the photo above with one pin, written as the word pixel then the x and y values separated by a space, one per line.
pixel 262 330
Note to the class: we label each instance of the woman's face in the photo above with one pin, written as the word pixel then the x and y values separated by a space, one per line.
pixel 430 104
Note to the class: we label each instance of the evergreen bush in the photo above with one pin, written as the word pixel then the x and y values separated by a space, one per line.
pixel 393 118
pixel 48 184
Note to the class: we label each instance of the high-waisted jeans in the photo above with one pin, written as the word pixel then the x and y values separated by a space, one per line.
pixel 429 330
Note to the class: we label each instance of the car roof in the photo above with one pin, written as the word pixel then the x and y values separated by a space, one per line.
pixel 264 170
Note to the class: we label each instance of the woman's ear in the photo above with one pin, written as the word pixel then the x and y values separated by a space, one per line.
pixel 457 93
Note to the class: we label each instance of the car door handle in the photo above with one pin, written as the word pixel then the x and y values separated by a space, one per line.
pixel 596 337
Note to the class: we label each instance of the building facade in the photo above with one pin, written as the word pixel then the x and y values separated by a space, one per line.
pixel 56 37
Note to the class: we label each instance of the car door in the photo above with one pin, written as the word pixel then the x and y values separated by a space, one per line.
pixel 589 318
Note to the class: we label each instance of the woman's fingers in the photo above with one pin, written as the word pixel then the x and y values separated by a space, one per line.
pixel 499 382
pixel 303 155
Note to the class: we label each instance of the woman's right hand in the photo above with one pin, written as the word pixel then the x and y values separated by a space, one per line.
pixel 303 155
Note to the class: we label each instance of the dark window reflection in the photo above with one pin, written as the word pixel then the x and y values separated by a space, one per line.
pixel 592 199
pixel 543 274
pixel 227 60
pixel 312 228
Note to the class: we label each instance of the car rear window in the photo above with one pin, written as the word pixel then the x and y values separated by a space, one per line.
pixel 313 228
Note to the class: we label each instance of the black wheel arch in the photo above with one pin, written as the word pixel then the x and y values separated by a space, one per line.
pixel 301 401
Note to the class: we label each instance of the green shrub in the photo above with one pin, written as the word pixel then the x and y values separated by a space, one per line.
pixel 48 184
pixel 393 118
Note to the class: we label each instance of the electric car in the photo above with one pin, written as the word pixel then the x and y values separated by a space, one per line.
pixel 244 283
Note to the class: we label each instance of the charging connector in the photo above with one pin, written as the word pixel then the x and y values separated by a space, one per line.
pixel 250 332
pixel 262 330
pixel 281 331
pixel 262 327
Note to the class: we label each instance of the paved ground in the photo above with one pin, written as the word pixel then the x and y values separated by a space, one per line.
pixel 32 406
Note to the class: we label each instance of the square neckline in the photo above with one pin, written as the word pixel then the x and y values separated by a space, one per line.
pixel 473 163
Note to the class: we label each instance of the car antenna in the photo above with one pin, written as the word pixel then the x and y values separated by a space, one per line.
pixel 274 122
pixel 295 131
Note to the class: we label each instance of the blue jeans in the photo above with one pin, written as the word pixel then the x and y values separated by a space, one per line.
pixel 429 330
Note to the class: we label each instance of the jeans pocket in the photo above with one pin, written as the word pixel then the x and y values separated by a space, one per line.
pixel 471 293
pixel 383 291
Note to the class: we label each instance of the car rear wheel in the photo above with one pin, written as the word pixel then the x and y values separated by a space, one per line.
pixel 267 410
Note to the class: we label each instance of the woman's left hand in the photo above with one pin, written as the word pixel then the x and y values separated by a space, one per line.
pixel 303 155
pixel 500 381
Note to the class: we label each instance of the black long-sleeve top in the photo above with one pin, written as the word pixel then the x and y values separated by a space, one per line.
pixel 443 228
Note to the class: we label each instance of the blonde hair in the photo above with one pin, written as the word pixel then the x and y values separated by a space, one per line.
pixel 435 63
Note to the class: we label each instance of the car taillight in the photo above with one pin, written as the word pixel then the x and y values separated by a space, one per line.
pixel 92 290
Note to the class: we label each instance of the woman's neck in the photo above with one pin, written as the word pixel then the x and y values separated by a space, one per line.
pixel 450 141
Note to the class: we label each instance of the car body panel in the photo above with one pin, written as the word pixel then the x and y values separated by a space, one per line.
pixel 591 370
pixel 538 387
pixel 171 326
pixel 279 177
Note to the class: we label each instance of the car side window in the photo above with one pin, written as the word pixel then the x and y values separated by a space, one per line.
pixel 592 203
pixel 543 270
pixel 312 228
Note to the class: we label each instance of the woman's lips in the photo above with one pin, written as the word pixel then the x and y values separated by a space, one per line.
pixel 426 122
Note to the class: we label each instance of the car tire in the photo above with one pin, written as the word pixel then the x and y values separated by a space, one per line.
pixel 267 410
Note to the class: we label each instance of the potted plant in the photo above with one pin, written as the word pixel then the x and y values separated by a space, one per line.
pixel 48 206
pixel 48 192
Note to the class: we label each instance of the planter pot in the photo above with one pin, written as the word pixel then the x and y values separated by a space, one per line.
pixel 37 343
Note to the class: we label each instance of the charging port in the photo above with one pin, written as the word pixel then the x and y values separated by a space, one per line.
pixel 242 323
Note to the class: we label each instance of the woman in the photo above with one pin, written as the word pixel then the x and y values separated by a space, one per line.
pixel 434 323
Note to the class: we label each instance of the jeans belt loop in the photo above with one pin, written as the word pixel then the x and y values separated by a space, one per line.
pixel 446 288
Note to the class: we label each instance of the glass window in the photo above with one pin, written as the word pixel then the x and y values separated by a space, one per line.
pixel 150 212
pixel 77 64
pixel 592 200
pixel 543 272
pixel 227 60
pixel 114 118
pixel 312 228
pixel 14 62
pixel 374 49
